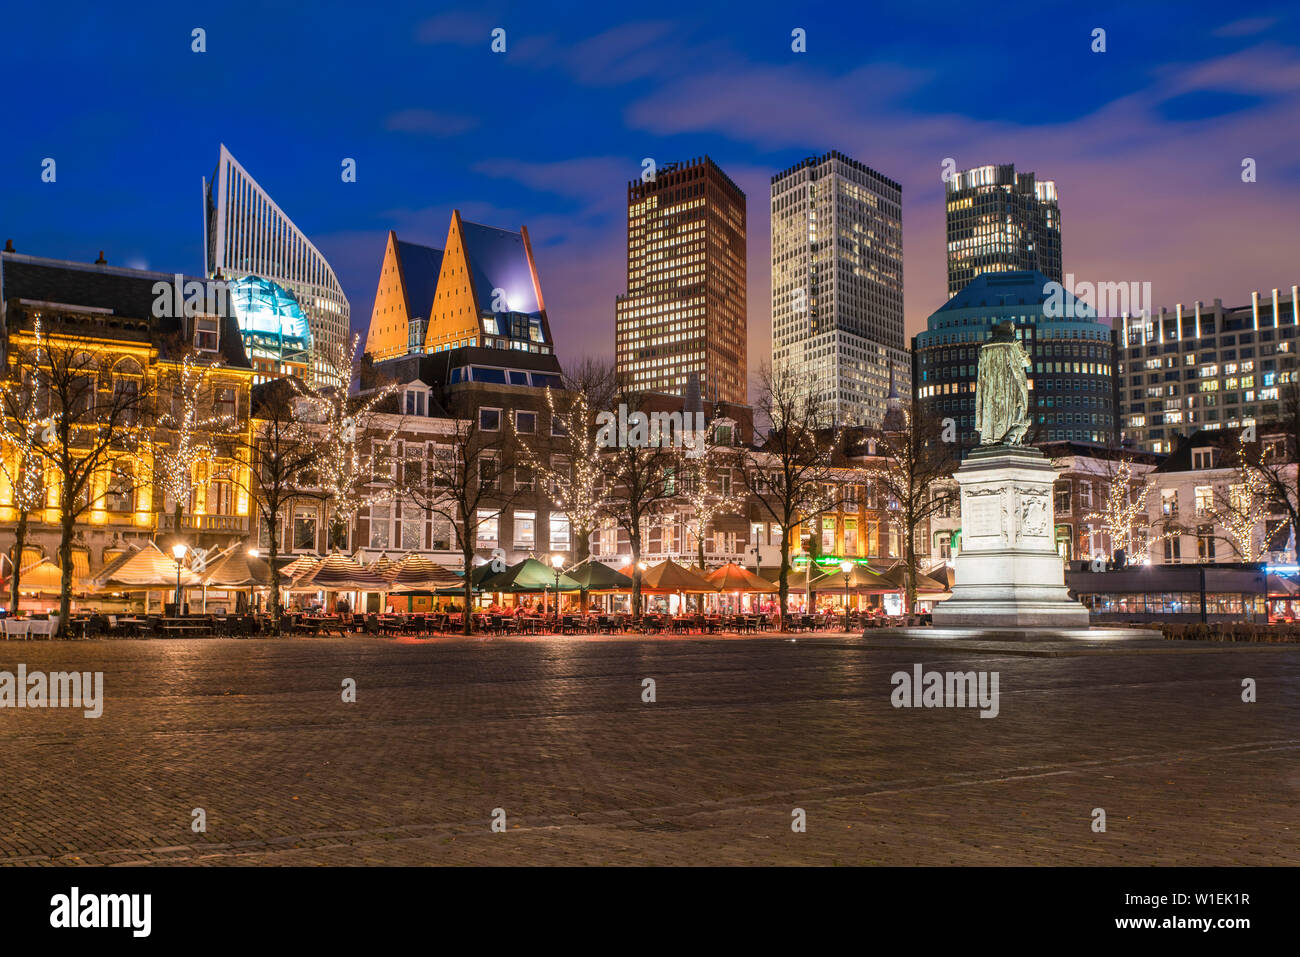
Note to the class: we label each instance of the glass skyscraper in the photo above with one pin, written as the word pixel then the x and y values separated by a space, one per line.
pixel 837 284
pixel 247 234
pixel 1001 221
pixel 684 311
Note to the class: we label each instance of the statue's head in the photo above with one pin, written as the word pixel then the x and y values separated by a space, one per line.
pixel 1004 332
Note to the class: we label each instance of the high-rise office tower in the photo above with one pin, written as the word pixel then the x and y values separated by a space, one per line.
pixel 247 234
pixel 1072 391
pixel 837 284
pixel 684 309
pixel 1001 221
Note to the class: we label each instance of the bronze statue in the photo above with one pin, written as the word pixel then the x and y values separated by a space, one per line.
pixel 1002 389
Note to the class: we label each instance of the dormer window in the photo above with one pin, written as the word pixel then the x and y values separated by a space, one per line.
pixel 416 401
pixel 207 334
pixel 1202 458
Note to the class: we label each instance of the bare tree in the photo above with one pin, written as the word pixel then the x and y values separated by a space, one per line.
pixel 789 474
pixel 1271 457
pixel 1242 507
pixel 184 450
pixel 284 453
pixel 1125 508
pixel 355 444
pixel 914 466
pixel 576 475
pixel 699 490
pixel 98 407
pixel 640 469
pixel 21 464
pixel 463 484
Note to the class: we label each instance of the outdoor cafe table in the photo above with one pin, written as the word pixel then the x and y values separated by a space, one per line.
pixel 315 624
pixel 180 627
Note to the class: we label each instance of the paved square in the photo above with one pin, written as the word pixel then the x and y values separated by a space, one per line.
pixel 555 733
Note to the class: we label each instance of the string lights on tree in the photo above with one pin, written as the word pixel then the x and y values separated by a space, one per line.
pixel 21 463
pixel 185 455
pixel 356 453
pixel 1123 518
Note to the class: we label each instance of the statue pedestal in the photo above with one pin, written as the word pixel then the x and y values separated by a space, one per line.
pixel 1008 572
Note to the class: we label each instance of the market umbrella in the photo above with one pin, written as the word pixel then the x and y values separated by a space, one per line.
pixel 238 569
pixel 145 569
pixel 668 578
pixel 530 575
pixel 732 577
pixel 42 578
pixel 897 575
pixel 296 567
pixel 945 575
pixel 597 576
pixel 419 573
pixel 1278 587
pixel 339 572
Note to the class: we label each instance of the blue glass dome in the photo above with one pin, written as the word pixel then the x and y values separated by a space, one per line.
pixel 263 308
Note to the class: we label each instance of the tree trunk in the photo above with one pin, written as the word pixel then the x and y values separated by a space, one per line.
pixel 783 592
pixel 275 576
pixel 467 552
pixel 910 573
pixel 582 551
pixel 635 539
pixel 65 561
pixel 20 540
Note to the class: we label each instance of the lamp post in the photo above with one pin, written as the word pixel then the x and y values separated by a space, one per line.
pixel 557 562
pixel 846 567
pixel 257 598
pixel 178 553
pixel 641 567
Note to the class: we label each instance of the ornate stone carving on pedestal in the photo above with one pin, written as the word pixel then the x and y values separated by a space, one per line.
pixel 1008 573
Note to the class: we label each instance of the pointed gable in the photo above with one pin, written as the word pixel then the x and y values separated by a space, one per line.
pixel 408 279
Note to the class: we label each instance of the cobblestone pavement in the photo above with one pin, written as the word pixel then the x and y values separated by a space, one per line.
pixel 556 734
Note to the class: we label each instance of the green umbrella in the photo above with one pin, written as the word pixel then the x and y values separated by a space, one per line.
pixel 530 575
pixel 597 576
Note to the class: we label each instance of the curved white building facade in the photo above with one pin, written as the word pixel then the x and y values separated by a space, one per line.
pixel 246 233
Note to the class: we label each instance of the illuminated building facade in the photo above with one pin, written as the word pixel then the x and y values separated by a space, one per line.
pixel 113 314
pixel 275 330
pixel 1072 381
pixel 1001 221
pixel 247 234
pixel 837 284
pixel 1206 367
pixel 684 309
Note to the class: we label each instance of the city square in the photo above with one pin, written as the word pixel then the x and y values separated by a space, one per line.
pixel 580 437
pixel 555 733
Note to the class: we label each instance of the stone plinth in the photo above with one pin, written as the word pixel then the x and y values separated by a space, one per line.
pixel 1008 572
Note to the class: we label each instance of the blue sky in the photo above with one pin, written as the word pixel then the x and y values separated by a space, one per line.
pixel 1145 141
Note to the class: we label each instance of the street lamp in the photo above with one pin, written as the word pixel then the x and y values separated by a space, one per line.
pixel 255 598
pixel 557 562
pixel 178 553
pixel 846 567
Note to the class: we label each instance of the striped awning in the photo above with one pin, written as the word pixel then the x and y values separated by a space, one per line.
pixel 339 572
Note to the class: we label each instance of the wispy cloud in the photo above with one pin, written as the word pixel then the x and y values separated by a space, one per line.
pixel 429 122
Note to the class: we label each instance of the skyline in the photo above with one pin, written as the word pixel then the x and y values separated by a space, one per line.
pixel 1145 141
